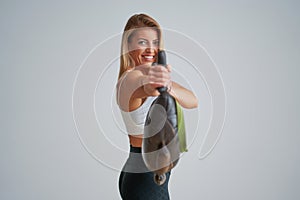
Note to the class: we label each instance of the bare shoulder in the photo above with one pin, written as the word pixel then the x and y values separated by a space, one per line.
pixel 131 76
pixel 129 87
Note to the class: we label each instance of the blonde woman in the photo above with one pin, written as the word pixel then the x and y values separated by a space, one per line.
pixel 136 90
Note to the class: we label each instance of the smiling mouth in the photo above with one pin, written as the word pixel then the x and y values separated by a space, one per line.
pixel 148 58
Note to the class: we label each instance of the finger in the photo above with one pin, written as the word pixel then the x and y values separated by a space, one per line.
pixel 159 68
pixel 169 68
pixel 165 76
pixel 160 81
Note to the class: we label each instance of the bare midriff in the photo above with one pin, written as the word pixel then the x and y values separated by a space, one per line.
pixel 136 140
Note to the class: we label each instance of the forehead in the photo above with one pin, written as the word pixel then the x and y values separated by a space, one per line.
pixel 146 33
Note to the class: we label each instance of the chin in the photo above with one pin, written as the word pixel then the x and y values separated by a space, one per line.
pixel 148 61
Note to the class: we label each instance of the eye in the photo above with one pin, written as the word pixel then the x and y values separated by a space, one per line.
pixel 142 42
pixel 156 43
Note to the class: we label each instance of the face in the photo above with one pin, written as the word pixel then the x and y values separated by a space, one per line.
pixel 143 46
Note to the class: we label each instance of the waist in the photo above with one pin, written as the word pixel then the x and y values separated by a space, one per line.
pixel 136 141
pixel 135 162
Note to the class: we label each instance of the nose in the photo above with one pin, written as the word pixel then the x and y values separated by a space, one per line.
pixel 150 48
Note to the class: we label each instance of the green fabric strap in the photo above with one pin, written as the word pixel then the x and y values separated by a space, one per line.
pixel 181 129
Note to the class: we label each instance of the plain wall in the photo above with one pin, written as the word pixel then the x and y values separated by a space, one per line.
pixel 255 45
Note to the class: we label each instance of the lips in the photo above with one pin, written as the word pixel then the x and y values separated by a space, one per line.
pixel 148 58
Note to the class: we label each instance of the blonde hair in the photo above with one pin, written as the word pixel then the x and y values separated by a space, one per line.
pixel 133 24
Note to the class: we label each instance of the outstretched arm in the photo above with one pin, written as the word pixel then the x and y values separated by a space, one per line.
pixel 185 97
pixel 137 84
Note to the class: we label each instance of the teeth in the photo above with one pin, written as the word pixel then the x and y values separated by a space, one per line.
pixel 148 57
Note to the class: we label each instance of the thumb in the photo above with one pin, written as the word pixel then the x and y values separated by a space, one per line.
pixel 169 68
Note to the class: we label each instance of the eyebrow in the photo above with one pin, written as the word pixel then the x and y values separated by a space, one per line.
pixel 147 40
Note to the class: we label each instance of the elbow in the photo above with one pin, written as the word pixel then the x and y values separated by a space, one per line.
pixel 191 104
pixel 194 104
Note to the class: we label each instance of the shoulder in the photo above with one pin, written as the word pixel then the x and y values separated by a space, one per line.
pixel 132 74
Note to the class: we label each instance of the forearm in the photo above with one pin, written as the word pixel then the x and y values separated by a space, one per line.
pixel 185 97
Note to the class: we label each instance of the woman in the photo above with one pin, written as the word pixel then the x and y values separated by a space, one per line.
pixel 136 89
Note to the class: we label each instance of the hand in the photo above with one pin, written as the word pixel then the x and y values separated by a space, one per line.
pixel 159 76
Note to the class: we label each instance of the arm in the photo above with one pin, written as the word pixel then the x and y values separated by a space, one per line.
pixel 185 97
pixel 137 84
pixel 133 87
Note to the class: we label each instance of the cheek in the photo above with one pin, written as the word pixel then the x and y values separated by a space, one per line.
pixel 135 53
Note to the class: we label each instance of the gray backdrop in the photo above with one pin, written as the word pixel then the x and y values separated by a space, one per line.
pixel 255 45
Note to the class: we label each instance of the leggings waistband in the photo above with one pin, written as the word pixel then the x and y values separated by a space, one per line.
pixel 135 149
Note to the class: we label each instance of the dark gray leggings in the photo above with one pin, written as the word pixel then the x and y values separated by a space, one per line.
pixel 136 182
